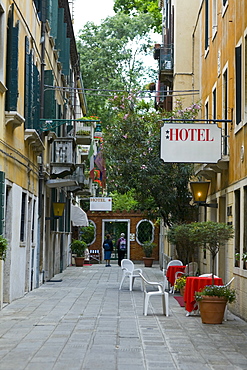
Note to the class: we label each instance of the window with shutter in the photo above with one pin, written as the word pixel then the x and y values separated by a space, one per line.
pixel 36 98
pixel 49 97
pixel 32 91
pixel 60 29
pixel 52 16
pixel 238 82
pixel 2 198
pixel 23 217
pixel 12 65
pixel 63 42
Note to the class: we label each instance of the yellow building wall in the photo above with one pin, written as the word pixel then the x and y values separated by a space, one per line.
pixel 208 70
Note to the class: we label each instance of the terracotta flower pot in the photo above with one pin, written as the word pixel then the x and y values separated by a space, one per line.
pixel 79 261
pixel 182 290
pixel 212 309
pixel 148 261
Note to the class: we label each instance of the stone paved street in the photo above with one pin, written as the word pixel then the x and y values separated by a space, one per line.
pixel 85 322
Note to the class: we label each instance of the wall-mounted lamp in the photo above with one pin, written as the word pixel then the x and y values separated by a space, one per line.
pixel 200 192
pixel 58 208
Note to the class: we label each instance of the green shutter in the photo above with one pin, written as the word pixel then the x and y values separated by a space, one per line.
pixel 60 29
pixel 63 42
pixel 49 97
pixel 27 85
pixel 36 95
pixel 66 56
pixel 32 91
pixel 2 201
pixel 53 17
pixel 12 67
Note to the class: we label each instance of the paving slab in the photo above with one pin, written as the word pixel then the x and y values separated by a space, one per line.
pixel 84 322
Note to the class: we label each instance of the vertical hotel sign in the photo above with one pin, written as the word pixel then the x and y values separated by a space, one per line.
pixel 190 143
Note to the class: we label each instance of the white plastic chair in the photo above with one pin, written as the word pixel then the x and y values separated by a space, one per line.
pixel 226 309
pixel 160 292
pixel 129 271
pixel 208 275
pixel 171 263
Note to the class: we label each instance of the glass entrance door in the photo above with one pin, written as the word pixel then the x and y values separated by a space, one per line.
pixel 115 228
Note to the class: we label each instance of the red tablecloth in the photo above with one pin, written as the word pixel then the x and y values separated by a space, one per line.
pixel 171 271
pixel 195 284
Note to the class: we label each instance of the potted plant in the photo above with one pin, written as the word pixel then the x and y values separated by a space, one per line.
pixel 180 284
pixel 181 235
pixel 217 297
pixel 148 251
pixel 237 259
pixel 213 236
pixel 244 258
pixel 3 247
pixel 78 247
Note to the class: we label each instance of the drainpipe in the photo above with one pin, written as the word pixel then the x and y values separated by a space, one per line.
pixel 41 176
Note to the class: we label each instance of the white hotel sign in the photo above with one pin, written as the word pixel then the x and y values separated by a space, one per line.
pixel 100 204
pixel 190 143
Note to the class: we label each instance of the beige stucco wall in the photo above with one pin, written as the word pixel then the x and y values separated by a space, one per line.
pixel 184 20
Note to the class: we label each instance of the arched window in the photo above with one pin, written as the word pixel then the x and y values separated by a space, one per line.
pixel 144 231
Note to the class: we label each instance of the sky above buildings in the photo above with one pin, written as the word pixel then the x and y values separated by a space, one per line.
pixel 91 11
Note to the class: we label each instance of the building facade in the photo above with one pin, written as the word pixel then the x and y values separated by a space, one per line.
pixel 220 35
pixel 210 59
pixel 41 164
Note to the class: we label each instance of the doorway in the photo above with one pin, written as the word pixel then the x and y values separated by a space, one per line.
pixel 115 228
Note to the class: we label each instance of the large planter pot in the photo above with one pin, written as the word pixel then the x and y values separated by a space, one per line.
pixel 212 309
pixel 148 261
pixel 79 261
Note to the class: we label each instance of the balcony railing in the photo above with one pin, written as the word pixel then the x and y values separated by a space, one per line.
pixel 63 156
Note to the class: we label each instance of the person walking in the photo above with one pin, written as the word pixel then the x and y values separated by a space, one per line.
pixel 121 247
pixel 108 248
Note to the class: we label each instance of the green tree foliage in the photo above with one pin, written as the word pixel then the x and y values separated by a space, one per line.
pixel 124 202
pixel 135 7
pixel 110 58
pixel 132 150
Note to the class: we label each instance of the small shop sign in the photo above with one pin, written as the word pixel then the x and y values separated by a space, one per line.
pixel 100 204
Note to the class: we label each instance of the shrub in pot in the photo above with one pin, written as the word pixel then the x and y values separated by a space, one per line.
pixel 213 236
pixel 181 236
pixel 148 252
pixel 78 247
pixel 244 258
pixel 212 301
pixel 180 284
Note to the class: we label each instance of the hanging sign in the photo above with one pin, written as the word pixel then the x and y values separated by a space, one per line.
pixel 100 204
pixel 190 143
